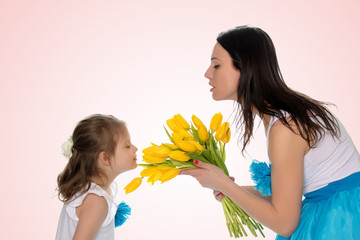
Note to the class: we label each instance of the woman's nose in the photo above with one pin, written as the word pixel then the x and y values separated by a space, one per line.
pixel 207 73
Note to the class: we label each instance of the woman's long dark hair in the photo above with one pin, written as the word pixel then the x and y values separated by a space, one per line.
pixel 262 86
pixel 94 134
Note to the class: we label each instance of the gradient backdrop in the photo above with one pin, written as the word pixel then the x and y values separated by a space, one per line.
pixel 143 62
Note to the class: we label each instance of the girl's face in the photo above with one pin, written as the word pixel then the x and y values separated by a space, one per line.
pixel 223 76
pixel 124 158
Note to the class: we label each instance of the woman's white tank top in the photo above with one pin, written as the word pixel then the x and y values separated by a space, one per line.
pixel 330 160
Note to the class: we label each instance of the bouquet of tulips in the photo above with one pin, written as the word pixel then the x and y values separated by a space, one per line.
pixel 165 161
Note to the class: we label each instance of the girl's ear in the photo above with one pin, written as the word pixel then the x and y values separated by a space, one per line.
pixel 104 159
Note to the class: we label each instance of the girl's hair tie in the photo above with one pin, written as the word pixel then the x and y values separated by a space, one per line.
pixel 67 148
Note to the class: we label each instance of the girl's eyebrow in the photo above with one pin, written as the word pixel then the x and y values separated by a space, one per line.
pixel 215 58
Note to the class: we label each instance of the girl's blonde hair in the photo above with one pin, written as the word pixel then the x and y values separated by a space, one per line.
pixel 93 135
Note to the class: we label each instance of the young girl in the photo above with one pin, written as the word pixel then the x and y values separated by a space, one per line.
pixel 100 149
pixel 311 153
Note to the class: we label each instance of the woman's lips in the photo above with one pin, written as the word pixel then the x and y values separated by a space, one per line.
pixel 212 88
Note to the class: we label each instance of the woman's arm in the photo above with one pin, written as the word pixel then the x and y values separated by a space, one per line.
pixel 257 193
pixel 250 189
pixel 92 213
pixel 282 213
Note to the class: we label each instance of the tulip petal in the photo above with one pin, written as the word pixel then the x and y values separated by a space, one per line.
pixel 216 121
pixel 148 171
pixel 186 146
pixel 179 156
pixel 173 125
pixel 198 123
pixel 203 133
pixel 169 174
pixel 153 159
pixel 133 185
pixel 181 121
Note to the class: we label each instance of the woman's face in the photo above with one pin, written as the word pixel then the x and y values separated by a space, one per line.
pixel 223 76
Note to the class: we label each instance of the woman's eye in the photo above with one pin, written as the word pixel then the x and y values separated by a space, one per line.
pixel 216 66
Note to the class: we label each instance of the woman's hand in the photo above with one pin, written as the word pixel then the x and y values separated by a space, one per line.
pixel 208 175
pixel 219 195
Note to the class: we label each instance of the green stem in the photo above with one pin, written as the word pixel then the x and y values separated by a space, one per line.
pixel 236 218
pixel 219 162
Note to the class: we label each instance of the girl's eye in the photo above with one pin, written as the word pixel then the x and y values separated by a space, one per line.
pixel 216 66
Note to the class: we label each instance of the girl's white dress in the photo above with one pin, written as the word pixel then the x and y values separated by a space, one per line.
pixel 68 220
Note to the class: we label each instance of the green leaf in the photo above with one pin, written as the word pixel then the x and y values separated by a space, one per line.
pixel 172 149
pixel 222 151
pixel 197 156
pixel 207 154
pixel 196 135
pixel 145 165
pixel 219 162
pixel 181 164
pixel 168 134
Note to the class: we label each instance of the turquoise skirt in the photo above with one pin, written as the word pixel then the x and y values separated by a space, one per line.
pixel 332 212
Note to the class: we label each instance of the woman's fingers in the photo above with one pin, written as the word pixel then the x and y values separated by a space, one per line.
pixel 208 175
pixel 218 195
pixel 196 171
pixel 204 165
pixel 190 172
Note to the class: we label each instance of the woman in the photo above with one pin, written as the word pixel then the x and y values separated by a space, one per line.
pixel 310 151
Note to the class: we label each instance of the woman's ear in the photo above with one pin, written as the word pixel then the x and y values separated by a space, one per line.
pixel 104 159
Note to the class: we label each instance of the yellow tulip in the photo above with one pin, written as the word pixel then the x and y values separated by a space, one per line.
pixel 162 151
pixel 198 146
pixel 203 133
pixel 181 136
pixel 133 185
pixel 216 121
pixel 156 154
pixel 152 159
pixel 222 131
pixel 148 171
pixel 176 137
pixel 173 125
pixel 227 137
pixel 181 121
pixel 186 146
pixel 164 168
pixel 170 146
pixel 198 123
pixel 169 174
pixel 185 135
pixel 179 155
pixel 156 175
pixel 149 150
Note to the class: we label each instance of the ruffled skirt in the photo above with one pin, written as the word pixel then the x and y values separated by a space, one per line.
pixel 332 212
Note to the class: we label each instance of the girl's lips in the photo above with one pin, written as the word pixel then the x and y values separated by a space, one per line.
pixel 212 87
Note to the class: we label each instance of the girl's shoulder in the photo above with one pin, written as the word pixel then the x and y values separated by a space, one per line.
pixel 93 206
pixel 98 195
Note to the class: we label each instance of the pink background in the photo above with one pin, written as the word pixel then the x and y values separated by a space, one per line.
pixel 144 62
